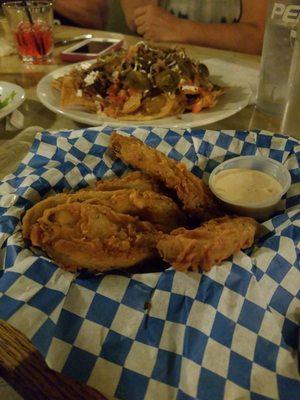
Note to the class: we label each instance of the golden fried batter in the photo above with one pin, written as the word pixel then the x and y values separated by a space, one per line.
pixel 131 180
pixel 148 206
pixel 208 245
pixel 36 211
pixel 156 208
pixel 123 221
pixel 82 235
pixel 196 197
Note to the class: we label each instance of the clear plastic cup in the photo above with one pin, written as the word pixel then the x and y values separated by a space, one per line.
pixel 32 28
pixel 262 210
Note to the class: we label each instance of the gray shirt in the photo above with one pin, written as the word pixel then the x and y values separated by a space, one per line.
pixel 205 11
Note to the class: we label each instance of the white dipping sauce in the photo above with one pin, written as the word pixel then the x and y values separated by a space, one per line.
pixel 245 186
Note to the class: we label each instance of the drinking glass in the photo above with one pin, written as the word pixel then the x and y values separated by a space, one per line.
pixel 31 24
pixel 277 53
pixel 291 117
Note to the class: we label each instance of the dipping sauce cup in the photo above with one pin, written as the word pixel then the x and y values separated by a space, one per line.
pixel 32 28
pixel 260 210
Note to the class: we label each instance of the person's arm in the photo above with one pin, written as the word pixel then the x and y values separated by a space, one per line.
pixel 154 23
pixel 129 7
pixel 86 13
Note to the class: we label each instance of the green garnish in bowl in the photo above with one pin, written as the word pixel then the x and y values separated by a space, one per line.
pixel 7 99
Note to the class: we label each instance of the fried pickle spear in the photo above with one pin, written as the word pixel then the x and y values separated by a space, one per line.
pixel 197 199
pixel 213 242
pixel 148 206
pixel 156 208
pixel 131 180
pixel 81 235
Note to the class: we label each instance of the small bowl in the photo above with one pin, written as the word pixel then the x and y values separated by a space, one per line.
pixel 262 210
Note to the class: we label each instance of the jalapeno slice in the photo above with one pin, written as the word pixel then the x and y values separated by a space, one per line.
pixel 137 80
pixel 203 70
pixel 167 80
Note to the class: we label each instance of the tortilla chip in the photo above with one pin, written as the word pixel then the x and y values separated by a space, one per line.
pixel 206 100
pixel 69 98
pixel 140 116
pixel 179 105
pixel 132 104
pixel 57 83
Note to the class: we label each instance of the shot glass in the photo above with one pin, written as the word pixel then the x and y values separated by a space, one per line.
pixel 31 24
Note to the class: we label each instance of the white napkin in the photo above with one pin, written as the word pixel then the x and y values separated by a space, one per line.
pixel 7 392
pixel 14 121
pixel 15 150
pixel 6 48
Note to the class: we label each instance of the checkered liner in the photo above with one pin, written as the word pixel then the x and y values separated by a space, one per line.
pixel 229 334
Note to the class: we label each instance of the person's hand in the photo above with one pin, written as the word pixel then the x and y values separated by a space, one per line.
pixel 155 23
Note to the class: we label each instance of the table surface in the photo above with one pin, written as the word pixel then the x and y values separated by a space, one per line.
pixel 28 76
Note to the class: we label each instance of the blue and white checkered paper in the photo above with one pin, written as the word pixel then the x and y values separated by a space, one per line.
pixel 231 333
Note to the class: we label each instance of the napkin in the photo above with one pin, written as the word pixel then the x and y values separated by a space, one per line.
pixel 6 48
pixel 7 392
pixel 15 149
pixel 14 121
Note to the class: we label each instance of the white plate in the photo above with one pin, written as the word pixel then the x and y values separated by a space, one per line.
pixel 5 89
pixel 236 97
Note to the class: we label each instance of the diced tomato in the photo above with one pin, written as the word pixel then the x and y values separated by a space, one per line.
pixel 112 90
pixel 122 94
pixel 116 96
pixel 202 91
pixel 197 107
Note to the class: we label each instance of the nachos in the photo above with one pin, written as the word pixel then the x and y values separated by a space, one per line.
pixel 140 83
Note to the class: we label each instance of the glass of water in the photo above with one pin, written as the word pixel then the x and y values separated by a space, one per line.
pixel 277 53
pixel 291 117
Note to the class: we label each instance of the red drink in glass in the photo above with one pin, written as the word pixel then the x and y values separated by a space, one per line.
pixel 31 23
pixel 35 42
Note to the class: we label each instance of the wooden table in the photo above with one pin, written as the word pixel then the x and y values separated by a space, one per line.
pixel 24 369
